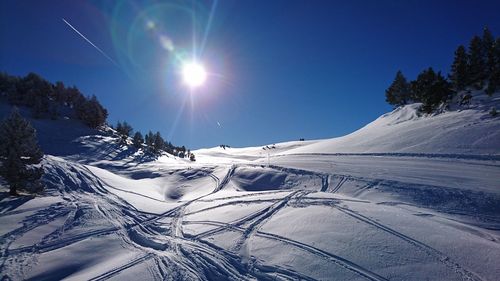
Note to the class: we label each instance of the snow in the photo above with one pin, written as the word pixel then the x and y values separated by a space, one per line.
pixel 407 197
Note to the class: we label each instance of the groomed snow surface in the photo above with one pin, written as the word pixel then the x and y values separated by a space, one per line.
pixel 407 197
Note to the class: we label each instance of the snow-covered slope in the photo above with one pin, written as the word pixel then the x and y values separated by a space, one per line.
pixel 461 130
pixel 468 131
pixel 367 206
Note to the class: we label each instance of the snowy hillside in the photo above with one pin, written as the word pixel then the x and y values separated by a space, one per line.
pixel 464 130
pixel 407 197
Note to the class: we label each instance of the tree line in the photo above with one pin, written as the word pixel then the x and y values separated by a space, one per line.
pixel 152 143
pixel 48 100
pixel 20 154
pixel 477 67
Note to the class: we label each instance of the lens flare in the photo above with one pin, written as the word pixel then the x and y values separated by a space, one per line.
pixel 193 74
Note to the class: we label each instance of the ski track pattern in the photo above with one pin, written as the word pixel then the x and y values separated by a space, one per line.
pixel 194 256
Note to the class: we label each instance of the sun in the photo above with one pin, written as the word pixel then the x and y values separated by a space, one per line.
pixel 193 74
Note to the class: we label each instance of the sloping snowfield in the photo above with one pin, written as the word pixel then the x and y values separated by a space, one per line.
pixel 349 208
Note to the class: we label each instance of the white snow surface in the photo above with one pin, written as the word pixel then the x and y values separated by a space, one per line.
pixel 407 197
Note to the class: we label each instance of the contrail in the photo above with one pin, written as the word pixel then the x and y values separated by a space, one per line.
pixel 100 51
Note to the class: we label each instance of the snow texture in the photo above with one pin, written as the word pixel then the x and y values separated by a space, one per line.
pixel 407 197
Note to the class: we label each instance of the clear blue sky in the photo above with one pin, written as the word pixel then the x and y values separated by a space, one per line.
pixel 279 70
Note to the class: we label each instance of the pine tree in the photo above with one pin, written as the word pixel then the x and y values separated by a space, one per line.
pixel 431 89
pixel 488 52
pixel 158 143
pixel 459 75
pixel 19 150
pixel 124 130
pixel 494 80
pixel 421 86
pixel 149 141
pixel 477 64
pixel 138 140
pixel 60 92
pixel 399 92
pixel 91 112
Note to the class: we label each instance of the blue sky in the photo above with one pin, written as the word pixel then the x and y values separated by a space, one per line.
pixel 278 70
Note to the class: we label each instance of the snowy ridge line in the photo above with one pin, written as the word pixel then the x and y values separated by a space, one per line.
pixel 116 188
pixel 292 170
pixel 494 157
pixel 464 273
pixel 351 266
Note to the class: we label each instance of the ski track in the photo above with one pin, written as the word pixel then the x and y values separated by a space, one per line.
pixel 351 266
pixel 119 269
pixel 464 273
pixel 194 256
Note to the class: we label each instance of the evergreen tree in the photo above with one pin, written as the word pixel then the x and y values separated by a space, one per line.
pixel 476 62
pixel 59 92
pixel 91 112
pixel 488 52
pixel 38 108
pixel 119 127
pixel 18 151
pixel 158 143
pixel 124 130
pixel 399 92
pixel 459 75
pixel 421 86
pixel 494 80
pixel 138 140
pixel 431 89
pixel 149 141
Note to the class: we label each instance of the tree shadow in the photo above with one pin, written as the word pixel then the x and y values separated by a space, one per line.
pixel 9 202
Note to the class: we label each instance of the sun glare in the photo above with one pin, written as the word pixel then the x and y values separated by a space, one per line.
pixel 193 74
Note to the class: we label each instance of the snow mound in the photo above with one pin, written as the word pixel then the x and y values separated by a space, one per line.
pixel 260 178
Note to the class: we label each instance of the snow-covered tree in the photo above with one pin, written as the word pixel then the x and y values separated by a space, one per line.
pixel 19 151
